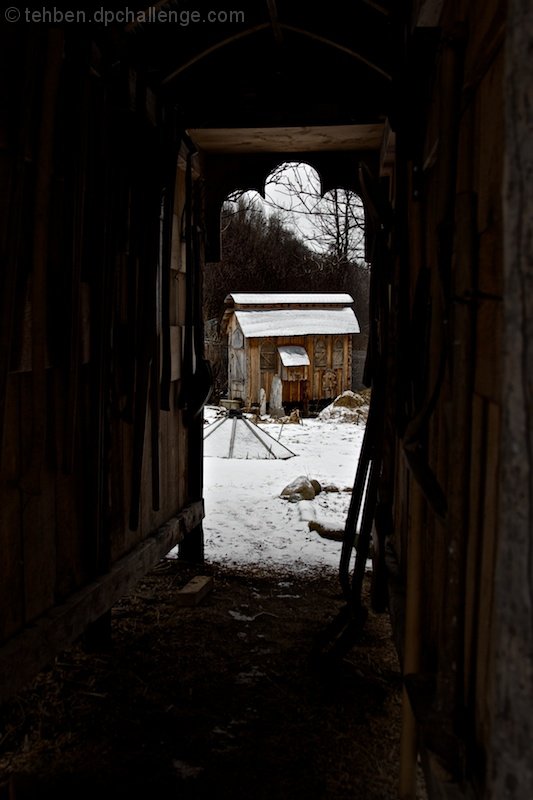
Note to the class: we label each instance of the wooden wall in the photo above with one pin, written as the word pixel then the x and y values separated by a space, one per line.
pixel 258 378
pixel 447 308
pixel 97 480
pixel 510 766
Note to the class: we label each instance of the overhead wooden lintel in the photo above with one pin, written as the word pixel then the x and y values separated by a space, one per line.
pixel 289 139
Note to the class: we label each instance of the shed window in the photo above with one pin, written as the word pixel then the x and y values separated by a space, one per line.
pixel 320 353
pixel 268 357
pixel 338 353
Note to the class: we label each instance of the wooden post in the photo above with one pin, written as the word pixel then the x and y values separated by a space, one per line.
pixel 411 664
pixel 413 580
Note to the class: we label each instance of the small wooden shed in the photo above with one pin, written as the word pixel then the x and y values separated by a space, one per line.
pixel 303 338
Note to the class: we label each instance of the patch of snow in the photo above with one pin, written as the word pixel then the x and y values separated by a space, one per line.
pixel 248 523
pixel 300 298
pixel 348 407
pixel 292 355
pixel 292 322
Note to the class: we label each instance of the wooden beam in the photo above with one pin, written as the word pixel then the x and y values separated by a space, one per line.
pixel 337 46
pixel 377 7
pixel 38 644
pixel 280 27
pixel 207 52
pixel 273 14
pixel 324 138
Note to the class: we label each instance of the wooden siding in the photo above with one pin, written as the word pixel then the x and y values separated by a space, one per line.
pixel 454 217
pixel 96 449
pixel 315 388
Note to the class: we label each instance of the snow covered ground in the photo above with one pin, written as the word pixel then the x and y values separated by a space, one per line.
pixel 247 522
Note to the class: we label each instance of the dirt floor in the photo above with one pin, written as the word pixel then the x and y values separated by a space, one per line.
pixel 228 699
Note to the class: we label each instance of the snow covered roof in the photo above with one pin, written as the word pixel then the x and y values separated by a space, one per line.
pixel 292 355
pixel 301 322
pixel 289 298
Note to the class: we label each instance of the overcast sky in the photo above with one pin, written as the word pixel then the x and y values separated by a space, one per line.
pixel 295 193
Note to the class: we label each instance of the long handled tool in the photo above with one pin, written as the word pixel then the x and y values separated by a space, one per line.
pixel 198 379
pixel 169 177
pixel 345 628
pixel 148 200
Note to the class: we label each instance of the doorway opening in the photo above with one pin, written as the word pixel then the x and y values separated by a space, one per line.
pixel 290 245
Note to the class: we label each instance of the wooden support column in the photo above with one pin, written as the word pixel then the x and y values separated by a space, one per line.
pixel 462 317
pixel 413 605
pixel 192 547
pixel 411 663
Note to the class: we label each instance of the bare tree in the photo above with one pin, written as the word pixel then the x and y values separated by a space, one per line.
pixel 332 224
pixel 259 253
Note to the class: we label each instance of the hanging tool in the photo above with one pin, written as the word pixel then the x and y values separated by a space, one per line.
pixel 147 199
pixel 344 630
pixel 197 379
pixel 170 160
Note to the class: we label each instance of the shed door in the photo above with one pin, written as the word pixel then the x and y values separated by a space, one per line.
pixel 236 373
pixel 268 365
pixel 295 391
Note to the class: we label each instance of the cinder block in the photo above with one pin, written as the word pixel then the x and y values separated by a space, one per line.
pixel 194 591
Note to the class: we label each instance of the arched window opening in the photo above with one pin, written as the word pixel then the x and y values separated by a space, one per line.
pixel 338 354
pixel 321 355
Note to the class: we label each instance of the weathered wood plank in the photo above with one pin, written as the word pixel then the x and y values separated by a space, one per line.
pixel 12 583
pixel 413 640
pixel 474 545
pixel 252 378
pixel 182 473
pixel 489 149
pixel 117 488
pixel 287 140
pixel 70 522
pixel 510 767
pixel 486 577
pixel 38 644
pixel 69 490
pixel 458 468
pixel 490 262
pixel 173 493
pixel 487 32
pixel 38 519
pixel 121 546
pixel 488 366
pixel 175 351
